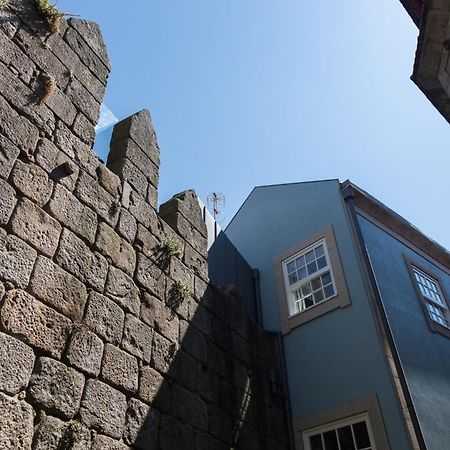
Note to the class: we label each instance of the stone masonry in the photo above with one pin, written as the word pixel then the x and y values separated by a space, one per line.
pixel 111 336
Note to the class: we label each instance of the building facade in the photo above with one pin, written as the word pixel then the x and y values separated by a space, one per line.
pixel 360 297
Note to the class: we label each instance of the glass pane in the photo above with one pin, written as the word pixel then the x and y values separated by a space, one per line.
pixel 321 262
pixel 291 267
pixel 318 296
pixel 306 289
pixel 319 251
pixel 329 290
pixel 361 435
pixel 316 442
pixel 293 278
pixel 346 438
pixel 309 302
pixel 310 256
pixel 312 267
pixel 302 273
pixel 316 284
pixel 326 279
pixel 330 439
pixel 300 262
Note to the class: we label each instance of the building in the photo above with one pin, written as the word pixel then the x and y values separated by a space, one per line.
pixel 360 297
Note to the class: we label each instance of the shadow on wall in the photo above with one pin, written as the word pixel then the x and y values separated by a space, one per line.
pixel 215 391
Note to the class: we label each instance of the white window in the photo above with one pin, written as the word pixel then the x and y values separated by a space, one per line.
pixel 308 278
pixel 434 299
pixel 349 434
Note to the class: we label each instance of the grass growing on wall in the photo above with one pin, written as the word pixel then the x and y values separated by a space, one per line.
pixel 50 14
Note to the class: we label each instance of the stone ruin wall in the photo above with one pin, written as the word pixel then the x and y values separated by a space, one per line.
pixel 106 340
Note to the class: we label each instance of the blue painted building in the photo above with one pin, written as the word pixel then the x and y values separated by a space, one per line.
pixel 360 299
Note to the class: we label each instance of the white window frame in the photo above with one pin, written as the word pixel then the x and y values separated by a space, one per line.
pixel 292 288
pixel 430 302
pixel 339 424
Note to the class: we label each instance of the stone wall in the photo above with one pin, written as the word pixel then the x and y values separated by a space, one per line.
pixel 111 336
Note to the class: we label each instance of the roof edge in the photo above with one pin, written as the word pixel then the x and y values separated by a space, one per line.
pixel 398 224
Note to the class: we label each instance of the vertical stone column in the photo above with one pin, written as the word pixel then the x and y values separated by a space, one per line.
pixel 134 155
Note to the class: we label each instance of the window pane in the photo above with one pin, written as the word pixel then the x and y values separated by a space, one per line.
pixel 312 267
pixel 361 435
pixel 319 251
pixel 300 262
pixel 316 442
pixel 293 278
pixel 330 439
pixel 346 438
pixel 310 256
pixel 309 302
pixel 321 262
pixel 316 284
pixel 326 279
pixel 291 267
pixel 306 289
pixel 302 273
pixel 329 290
pixel 318 296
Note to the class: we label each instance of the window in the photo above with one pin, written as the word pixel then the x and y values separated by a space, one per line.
pixel 308 278
pixel 351 434
pixel 433 297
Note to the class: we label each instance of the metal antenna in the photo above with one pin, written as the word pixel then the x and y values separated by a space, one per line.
pixel 216 203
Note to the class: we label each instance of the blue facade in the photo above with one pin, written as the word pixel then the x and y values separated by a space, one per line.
pixel 338 356
pixel 425 355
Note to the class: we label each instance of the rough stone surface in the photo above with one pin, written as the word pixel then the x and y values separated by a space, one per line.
pixel 16 424
pixel 76 257
pixel 120 369
pixel 16 260
pixel 157 315
pixel 32 181
pixel 137 338
pixel 150 384
pixel 118 249
pixel 121 288
pixel 141 429
pixel 103 408
pixel 85 352
pixel 106 443
pixel 55 163
pixel 150 276
pixel 104 317
pixel 16 364
pixel 175 434
pixel 56 387
pixel 92 194
pixel 58 288
pixel 66 208
pixel 36 227
pixel 54 434
pixel 127 225
pixel 9 200
pixel 8 154
pixel 36 324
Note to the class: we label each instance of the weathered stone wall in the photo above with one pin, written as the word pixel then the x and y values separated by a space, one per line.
pixel 108 340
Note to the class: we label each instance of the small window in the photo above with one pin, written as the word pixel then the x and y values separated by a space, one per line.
pixel 308 278
pixel 351 434
pixel 433 297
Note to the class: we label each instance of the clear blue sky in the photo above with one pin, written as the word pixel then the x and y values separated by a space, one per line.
pixel 254 92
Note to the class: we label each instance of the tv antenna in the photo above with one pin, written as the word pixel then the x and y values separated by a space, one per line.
pixel 216 203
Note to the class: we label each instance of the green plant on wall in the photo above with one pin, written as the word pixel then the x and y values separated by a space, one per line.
pixel 178 293
pixel 168 248
pixel 73 435
pixel 50 14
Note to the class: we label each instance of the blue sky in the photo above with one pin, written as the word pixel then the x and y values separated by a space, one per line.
pixel 254 92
